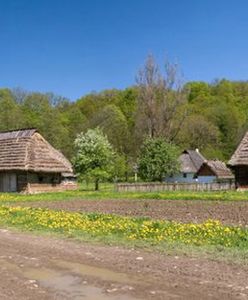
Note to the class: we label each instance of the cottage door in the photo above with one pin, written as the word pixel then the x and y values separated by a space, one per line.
pixel 9 183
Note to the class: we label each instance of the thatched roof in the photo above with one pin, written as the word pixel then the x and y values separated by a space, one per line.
pixel 240 156
pixel 27 150
pixel 217 168
pixel 191 161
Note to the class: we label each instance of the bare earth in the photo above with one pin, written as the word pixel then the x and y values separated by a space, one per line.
pixel 177 210
pixel 38 267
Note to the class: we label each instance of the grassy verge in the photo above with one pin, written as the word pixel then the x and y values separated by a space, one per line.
pixel 141 232
pixel 108 195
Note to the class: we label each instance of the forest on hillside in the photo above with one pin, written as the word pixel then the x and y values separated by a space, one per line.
pixel 210 116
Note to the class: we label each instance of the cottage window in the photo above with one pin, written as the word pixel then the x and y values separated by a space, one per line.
pixel 184 175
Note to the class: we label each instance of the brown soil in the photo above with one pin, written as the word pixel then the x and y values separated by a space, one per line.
pixel 183 210
pixel 38 267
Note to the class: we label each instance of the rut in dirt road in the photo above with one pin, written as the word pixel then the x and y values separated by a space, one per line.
pixel 38 267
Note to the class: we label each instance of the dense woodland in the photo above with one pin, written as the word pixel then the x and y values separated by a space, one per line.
pixel 212 117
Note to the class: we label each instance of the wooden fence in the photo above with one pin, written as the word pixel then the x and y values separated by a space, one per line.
pixel 157 187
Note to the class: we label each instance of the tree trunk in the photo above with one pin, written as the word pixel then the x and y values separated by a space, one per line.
pixel 126 172
pixel 97 185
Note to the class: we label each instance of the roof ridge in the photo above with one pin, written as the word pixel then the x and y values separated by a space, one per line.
pixel 17 134
pixel 199 154
pixel 21 129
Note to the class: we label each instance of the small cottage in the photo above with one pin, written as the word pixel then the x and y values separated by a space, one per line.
pixel 214 171
pixel 239 163
pixel 29 164
pixel 190 163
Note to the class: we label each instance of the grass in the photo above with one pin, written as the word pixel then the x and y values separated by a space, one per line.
pixel 142 232
pixel 211 238
pixel 108 193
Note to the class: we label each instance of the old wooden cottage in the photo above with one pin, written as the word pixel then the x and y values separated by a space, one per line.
pixel 214 171
pixel 190 162
pixel 29 164
pixel 239 163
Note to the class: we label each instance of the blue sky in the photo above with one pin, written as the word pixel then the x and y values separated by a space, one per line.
pixel 73 47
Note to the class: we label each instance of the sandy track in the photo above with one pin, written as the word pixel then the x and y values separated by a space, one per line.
pixel 38 267
pixel 177 210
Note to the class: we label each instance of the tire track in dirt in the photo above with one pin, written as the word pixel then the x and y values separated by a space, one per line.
pixel 42 267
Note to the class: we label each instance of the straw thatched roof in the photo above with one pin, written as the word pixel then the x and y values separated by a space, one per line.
pixel 240 156
pixel 27 150
pixel 191 161
pixel 217 168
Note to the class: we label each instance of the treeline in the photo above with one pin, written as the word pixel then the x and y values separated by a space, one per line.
pixel 212 117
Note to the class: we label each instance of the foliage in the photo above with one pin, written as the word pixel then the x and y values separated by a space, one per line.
pixel 191 136
pixel 10 113
pixel 120 167
pixel 210 116
pixel 158 159
pixel 114 124
pixel 94 156
pixel 149 231
pixel 223 105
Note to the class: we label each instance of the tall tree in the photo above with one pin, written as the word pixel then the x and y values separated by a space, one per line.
pixel 161 98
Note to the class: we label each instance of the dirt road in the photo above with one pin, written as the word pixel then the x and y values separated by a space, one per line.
pixel 38 267
pixel 235 213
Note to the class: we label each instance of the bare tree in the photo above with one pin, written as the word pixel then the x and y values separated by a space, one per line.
pixel 161 102
pixel 19 95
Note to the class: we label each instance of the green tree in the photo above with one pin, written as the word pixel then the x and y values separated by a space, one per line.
pixel 73 121
pixel 113 123
pixel 198 132
pixel 198 91
pixel 120 167
pixel 10 114
pixel 94 156
pixel 158 159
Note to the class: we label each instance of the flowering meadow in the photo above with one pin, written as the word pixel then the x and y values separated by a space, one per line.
pixel 153 232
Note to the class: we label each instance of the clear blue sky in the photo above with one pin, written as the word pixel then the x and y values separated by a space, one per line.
pixel 72 47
